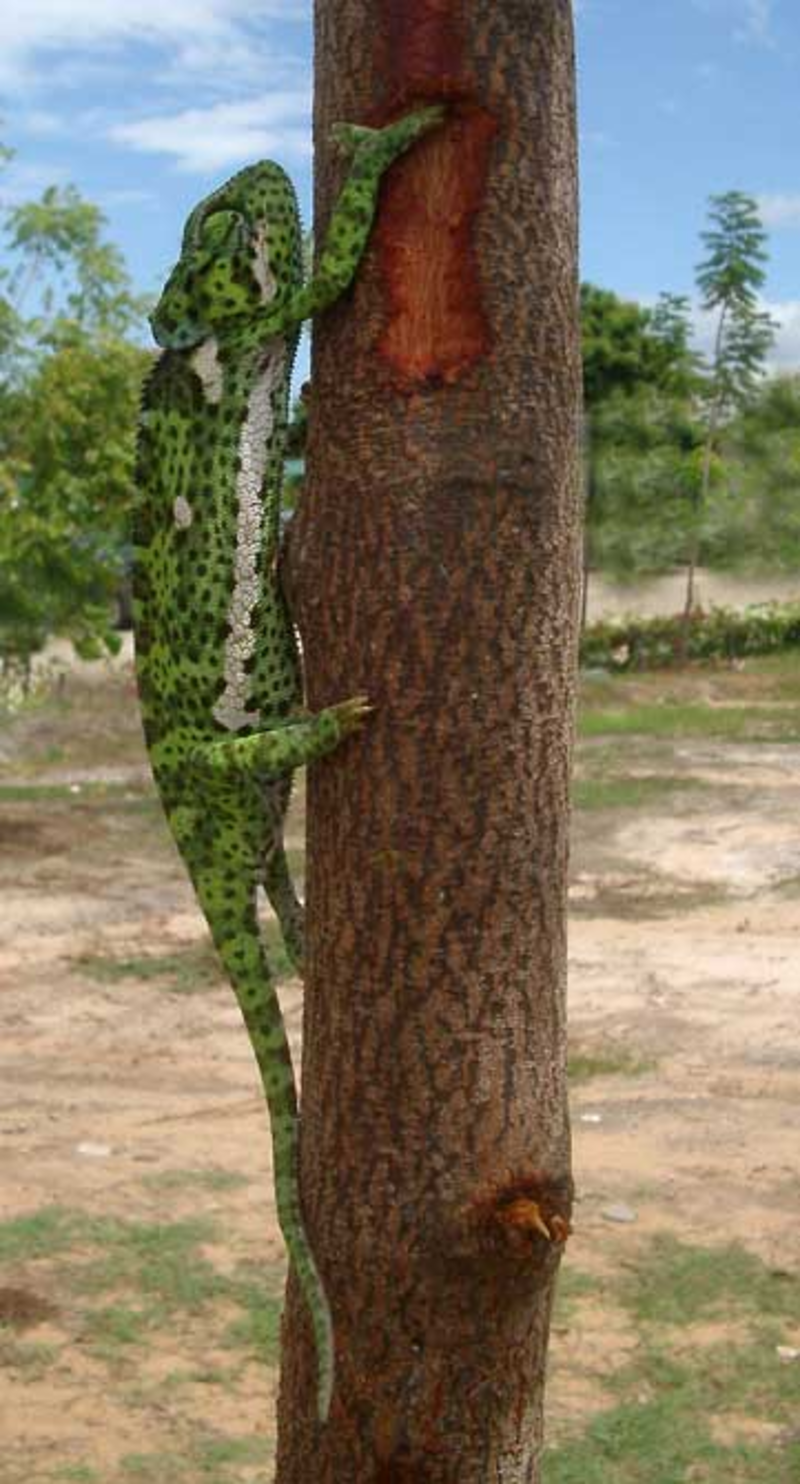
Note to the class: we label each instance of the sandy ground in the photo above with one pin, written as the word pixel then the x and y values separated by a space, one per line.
pixel 685 947
pixel 661 595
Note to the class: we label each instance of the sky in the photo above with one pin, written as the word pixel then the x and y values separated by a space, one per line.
pixel 145 105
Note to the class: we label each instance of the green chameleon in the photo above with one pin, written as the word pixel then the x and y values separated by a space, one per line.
pixel 217 661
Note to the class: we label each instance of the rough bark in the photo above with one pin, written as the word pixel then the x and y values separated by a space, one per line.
pixel 435 566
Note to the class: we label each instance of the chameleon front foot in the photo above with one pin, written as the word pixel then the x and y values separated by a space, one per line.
pixel 393 139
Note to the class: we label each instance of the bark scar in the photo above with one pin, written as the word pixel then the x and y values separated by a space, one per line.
pixel 524 1211
pixel 437 326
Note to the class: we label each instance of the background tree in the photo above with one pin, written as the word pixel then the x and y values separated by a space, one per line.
pixel 70 372
pixel 728 279
pixel 638 376
pixel 434 565
pixel 753 520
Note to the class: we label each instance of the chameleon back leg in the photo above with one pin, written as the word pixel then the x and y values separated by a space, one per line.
pixel 229 903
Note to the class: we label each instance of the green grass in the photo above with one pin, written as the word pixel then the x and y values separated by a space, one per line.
pixel 660 1429
pixel 154 1272
pixel 212 1179
pixel 120 794
pixel 685 719
pixel 258 1328
pixel 44 1233
pixel 209 1460
pixel 661 1432
pixel 107 1329
pixel 680 1283
pixel 607 1062
pixel 192 970
pixel 78 1473
pixel 628 793
pixel 156 1261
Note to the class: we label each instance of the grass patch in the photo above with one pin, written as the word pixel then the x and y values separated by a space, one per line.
pixel 606 1062
pixel 634 1442
pixel 107 1329
pixel 679 1283
pixel 76 1473
pixel 628 793
pixel 258 1328
pixel 157 1261
pixel 192 971
pixel 44 1233
pixel 122 794
pixel 154 1272
pixel 668 1424
pixel 209 1461
pixel 30 1357
pixel 214 1180
pixel 572 1286
pixel 675 719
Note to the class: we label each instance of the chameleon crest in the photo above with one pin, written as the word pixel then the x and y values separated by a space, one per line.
pixel 218 667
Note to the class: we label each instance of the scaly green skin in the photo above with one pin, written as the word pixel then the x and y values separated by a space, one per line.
pixel 217 662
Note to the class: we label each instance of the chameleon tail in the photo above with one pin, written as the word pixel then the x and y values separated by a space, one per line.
pixel 234 927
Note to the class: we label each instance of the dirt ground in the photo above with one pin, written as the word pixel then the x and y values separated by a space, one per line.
pixel 131 1096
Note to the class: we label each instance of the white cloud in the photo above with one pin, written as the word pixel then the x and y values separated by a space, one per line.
pixel 786 353
pixel 201 32
pixel 205 139
pixel 752 20
pixel 756 23
pixel 780 209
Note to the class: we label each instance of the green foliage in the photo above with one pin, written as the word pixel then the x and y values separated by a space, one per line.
pixel 646 467
pixel 69 380
pixel 641 431
pixel 626 346
pixel 722 634
pixel 753 518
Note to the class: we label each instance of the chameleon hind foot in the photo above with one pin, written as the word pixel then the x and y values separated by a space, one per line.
pixel 350 715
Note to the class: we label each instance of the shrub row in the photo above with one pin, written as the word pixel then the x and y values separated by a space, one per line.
pixel 722 633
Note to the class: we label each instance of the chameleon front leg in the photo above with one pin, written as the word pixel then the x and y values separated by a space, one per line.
pixel 374 150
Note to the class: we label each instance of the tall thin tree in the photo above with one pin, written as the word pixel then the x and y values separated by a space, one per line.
pixel 435 566
pixel 729 279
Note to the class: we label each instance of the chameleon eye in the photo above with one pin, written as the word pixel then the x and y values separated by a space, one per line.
pixel 222 229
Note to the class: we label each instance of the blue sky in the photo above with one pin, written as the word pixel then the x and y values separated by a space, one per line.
pixel 146 104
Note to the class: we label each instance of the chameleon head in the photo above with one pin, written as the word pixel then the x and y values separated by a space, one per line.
pixel 241 250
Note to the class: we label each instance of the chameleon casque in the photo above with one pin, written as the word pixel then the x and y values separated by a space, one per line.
pixel 217 661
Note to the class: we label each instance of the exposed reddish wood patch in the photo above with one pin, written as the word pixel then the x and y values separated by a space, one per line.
pixel 437 325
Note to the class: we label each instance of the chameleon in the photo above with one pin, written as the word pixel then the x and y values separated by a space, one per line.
pixel 217 661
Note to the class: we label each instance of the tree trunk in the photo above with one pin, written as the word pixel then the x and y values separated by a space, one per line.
pixel 435 566
pixel 701 498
